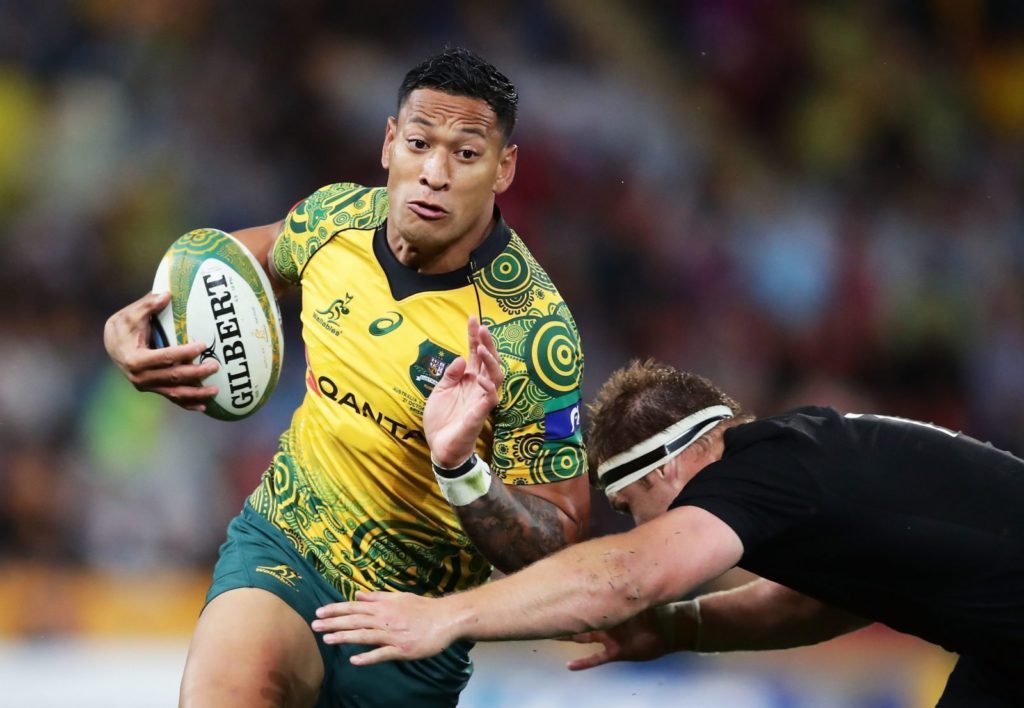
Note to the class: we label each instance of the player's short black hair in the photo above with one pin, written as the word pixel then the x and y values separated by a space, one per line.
pixel 643 399
pixel 460 72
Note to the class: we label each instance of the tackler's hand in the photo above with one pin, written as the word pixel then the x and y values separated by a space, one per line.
pixel 636 639
pixel 402 626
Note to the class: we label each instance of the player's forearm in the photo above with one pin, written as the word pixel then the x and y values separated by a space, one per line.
pixel 514 530
pixel 759 615
pixel 592 585
pixel 597 584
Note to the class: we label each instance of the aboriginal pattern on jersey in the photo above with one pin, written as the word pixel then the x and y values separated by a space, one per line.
pixel 515 279
pixel 354 544
pixel 315 220
pixel 541 355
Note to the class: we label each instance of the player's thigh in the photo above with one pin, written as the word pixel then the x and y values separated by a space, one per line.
pixel 251 649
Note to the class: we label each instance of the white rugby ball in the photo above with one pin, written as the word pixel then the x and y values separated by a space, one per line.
pixel 220 295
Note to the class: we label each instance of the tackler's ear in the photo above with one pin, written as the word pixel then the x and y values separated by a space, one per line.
pixel 673 469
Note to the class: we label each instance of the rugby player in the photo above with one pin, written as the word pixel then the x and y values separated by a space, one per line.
pixel 847 519
pixel 355 499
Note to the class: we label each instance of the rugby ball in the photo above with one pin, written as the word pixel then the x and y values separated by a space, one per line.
pixel 221 295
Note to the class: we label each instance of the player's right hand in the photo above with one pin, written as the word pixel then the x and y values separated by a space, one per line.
pixel 468 391
pixel 636 639
pixel 168 371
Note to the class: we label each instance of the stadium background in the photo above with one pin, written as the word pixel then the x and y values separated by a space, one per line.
pixel 809 202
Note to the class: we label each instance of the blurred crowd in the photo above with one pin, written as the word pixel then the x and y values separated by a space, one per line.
pixel 808 202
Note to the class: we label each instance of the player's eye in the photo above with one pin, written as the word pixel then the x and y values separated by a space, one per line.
pixel 467 154
pixel 418 144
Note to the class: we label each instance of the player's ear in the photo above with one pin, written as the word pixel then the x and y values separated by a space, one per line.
pixel 389 139
pixel 672 471
pixel 506 168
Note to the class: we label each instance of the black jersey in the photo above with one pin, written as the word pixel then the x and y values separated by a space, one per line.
pixel 898 521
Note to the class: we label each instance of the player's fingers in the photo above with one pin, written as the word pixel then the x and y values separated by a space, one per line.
pixel 484 335
pixel 135 317
pixel 185 387
pixel 582 638
pixel 472 337
pixel 453 373
pixel 589 662
pixel 356 636
pixel 183 375
pixel 376 656
pixel 187 393
pixel 345 623
pixel 145 359
pixel 489 394
pixel 488 342
pixel 339 609
pixel 186 396
pixel 361 605
pixel 121 333
pixel 142 309
pixel 376 595
pixel 491 365
pixel 474 345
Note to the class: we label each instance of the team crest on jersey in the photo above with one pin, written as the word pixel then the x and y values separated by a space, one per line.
pixel 329 317
pixel 429 366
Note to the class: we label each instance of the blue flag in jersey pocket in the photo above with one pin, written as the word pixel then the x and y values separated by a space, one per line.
pixel 562 417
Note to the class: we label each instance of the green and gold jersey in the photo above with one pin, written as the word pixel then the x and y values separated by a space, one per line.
pixel 351 484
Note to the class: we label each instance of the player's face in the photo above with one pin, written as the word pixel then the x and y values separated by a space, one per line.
pixel 446 161
pixel 645 498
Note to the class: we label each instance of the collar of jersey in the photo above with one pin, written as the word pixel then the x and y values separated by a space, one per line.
pixel 405 281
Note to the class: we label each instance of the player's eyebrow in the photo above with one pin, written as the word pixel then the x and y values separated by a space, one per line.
pixel 474 131
pixel 422 121
pixel 430 124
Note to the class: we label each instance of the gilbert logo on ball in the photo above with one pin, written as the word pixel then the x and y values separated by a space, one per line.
pixel 221 295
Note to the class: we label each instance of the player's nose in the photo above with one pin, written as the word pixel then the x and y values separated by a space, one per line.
pixel 434 171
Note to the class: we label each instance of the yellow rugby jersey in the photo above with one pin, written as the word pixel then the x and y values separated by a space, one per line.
pixel 351 484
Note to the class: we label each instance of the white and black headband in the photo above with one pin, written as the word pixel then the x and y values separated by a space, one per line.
pixel 627 467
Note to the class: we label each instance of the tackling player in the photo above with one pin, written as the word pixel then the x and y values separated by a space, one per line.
pixel 390 277
pixel 847 519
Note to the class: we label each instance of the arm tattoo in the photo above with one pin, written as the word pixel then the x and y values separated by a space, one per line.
pixel 513 530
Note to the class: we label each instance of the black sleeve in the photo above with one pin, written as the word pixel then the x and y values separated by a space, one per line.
pixel 760 493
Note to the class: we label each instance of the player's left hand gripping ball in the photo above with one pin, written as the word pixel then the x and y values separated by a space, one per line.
pixel 221 295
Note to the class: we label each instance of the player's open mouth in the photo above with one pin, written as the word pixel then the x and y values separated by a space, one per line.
pixel 425 210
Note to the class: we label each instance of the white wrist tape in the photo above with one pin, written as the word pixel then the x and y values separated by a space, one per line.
pixel 668 626
pixel 467 487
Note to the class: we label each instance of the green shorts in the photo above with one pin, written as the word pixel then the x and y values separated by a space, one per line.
pixel 256 554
